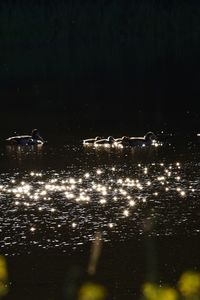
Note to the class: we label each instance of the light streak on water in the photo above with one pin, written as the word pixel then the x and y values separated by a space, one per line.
pixel 44 210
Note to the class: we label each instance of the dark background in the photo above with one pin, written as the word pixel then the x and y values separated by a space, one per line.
pixel 128 63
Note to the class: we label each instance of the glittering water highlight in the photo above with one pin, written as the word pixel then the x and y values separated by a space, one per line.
pixel 61 209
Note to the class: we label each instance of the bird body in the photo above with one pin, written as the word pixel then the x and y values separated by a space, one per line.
pixel 109 141
pixel 91 140
pixel 26 140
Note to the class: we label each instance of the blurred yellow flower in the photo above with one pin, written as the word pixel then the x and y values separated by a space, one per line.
pixel 3 276
pixel 3 269
pixel 154 292
pixel 92 291
pixel 189 283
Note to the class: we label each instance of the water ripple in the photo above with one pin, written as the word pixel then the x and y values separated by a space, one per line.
pixel 61 209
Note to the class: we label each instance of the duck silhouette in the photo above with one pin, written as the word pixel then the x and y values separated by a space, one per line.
pixel 91 140
pixel 146 140
pixel 26 140
pixel 109 141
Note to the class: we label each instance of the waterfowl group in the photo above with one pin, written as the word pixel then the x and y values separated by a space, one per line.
pixel 26 140
pixel 125 141
pixel 147 140
pixel 35 139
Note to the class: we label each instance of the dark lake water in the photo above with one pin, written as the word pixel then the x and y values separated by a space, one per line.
pixel 144 202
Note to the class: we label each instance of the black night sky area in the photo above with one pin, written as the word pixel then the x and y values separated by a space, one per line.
pixel 105 60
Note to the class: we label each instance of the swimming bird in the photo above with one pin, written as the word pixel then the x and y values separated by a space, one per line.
pixel 91 141
pixel 117 140
pixel 123 141
pixel 24 140
pixel 147 140
pixel 109 141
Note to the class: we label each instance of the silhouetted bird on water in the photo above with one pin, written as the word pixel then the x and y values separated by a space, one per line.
pixel 24 140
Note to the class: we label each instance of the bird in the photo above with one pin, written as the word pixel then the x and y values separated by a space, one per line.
pixel 91 140
pixel 109 141
pixel 146 140
pixel 26 140
pixel 120 139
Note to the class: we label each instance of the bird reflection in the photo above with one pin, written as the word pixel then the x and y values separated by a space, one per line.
pixel 20 152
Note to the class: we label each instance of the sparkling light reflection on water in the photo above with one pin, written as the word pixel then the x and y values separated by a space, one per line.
pixel 61 209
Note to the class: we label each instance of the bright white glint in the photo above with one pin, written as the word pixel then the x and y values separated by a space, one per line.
pixel 126 212
pixel 182 193
pixel 102 201
pixel 74 225
pixel 99 172
pixel 131 202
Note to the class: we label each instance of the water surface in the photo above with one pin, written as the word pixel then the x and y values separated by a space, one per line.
pixel 55 198
pixel 60 196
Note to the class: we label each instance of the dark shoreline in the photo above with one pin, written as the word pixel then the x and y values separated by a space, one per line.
pixel 123 267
